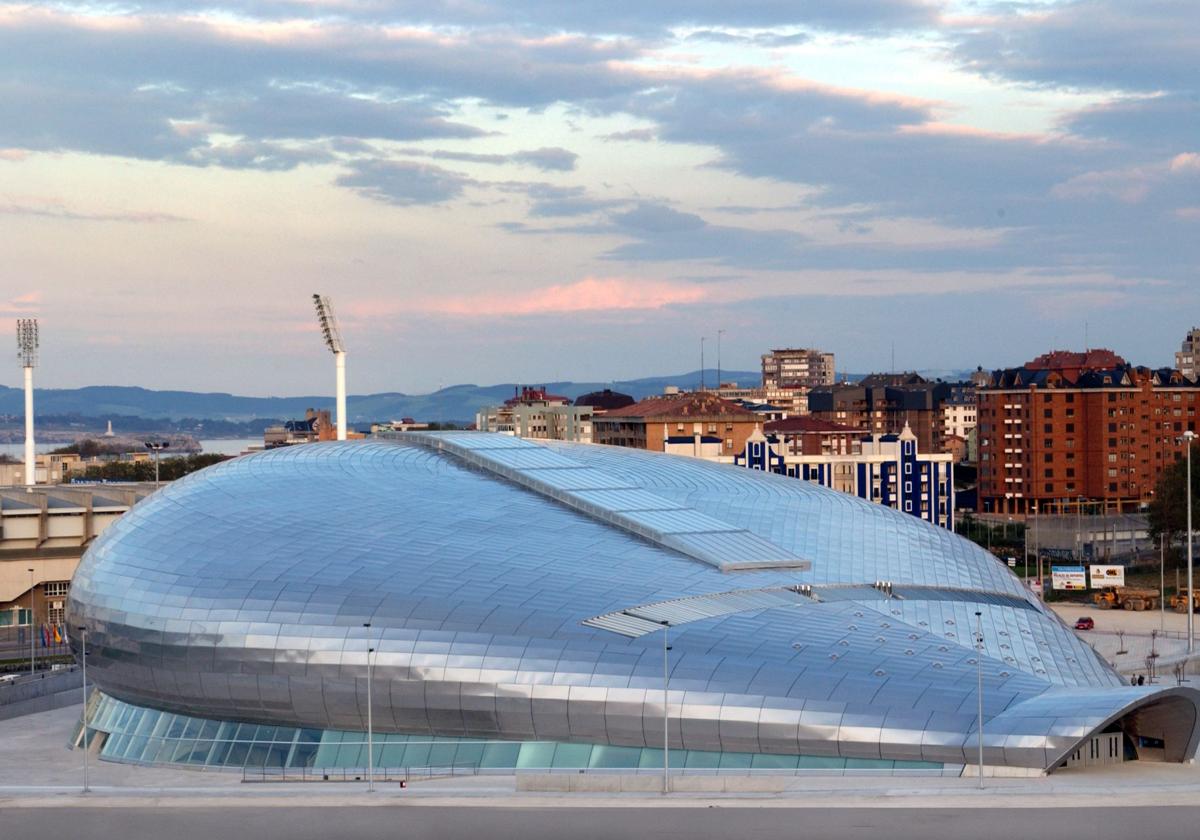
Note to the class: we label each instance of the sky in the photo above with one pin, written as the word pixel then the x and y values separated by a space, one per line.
pixel 532 191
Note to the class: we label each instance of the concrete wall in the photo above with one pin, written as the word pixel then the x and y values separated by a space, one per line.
pixel 41 693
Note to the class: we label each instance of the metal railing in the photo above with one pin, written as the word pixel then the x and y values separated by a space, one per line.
pixel 356 774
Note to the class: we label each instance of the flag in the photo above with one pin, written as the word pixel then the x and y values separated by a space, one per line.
pixel 57 636
pixel 45 636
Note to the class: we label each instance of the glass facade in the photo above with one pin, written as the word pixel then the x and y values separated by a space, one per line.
pixel 147 736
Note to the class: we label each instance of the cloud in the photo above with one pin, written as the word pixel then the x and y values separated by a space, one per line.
pixel 402 183
pixel 1100 44
pixel 622 17
pixel 22 305
pixel 551 159
pixel 636 135
pixel 53 209
pixel 548 159
pixel 590 294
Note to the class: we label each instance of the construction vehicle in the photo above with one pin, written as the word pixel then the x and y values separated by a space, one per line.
pixel 1179 601
pixel 1126 597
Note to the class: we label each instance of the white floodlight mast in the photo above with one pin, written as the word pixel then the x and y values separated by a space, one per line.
pixel 27 347
pixel 333 340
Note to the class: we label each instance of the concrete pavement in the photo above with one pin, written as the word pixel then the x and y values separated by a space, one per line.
pixel 40 773
pixel 644 821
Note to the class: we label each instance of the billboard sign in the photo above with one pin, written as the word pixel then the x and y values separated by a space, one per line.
pixel 1104 576
pixel 1069 578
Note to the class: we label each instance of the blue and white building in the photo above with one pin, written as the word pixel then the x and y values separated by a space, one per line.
pixel 888 470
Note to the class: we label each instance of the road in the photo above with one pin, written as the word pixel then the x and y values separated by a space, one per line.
pixel 582 823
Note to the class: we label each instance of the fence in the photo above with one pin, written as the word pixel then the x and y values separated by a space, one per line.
pixel 354 774
pixel 14 647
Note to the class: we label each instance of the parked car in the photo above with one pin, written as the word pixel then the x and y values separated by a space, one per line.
pixel 1085 622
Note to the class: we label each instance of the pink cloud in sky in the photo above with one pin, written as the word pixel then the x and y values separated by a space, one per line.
pixel 587 295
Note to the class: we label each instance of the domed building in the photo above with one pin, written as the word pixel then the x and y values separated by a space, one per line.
pixel 517 602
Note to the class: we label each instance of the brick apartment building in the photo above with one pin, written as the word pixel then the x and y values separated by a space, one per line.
pixel 884 403
pixel 695 423
pixel 1069 427
pixel 812 436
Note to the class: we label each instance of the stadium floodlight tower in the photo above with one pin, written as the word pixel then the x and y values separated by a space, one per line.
pixel 333 340
pixel 27 347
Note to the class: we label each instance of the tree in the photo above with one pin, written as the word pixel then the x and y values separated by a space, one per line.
pixel 1168 511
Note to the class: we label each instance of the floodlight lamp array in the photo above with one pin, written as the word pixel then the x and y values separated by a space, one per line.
pixel 329 325
pixel 27 341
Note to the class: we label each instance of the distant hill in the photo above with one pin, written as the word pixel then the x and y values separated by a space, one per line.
pixel 457 403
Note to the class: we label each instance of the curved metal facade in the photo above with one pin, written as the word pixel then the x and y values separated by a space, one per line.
pixel 517 591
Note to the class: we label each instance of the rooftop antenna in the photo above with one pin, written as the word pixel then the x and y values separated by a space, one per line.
pixel 27 348
pixel 333 340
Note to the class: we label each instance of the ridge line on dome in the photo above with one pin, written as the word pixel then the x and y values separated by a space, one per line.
pixel 751 550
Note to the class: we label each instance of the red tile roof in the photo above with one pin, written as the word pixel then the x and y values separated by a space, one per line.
pixel 693 404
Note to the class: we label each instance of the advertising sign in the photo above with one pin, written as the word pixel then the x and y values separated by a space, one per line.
pixel 1069 578
pixel 1103 576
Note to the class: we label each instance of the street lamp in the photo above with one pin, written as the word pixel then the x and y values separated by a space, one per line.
pixel 83 657
pixel 1188 437
pixel 666 625
pixel 370 724
pixel 31 622
pixel 979 687
pixel 719 334
pixel 156 447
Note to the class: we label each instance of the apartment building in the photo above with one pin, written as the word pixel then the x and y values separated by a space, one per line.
pixel 1072 427
pixel 792 368
pixel 1187 360
pixel 700 424
pixel 884 403
pixel 886 469
pixel 535 413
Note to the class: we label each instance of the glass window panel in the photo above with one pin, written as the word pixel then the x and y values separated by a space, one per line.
pixel 536 754
pixel 416 754
pixel 392 754
pixel 701 759
pixel 820 762
pixel 257 757
pixel 164 750
pixel 442 753
pixel 736 761
pixel 350 755
pixel 774 762
pixel 237 754
pixel 607 756
pixel 500 755
pixel 200 752
pixel 470 753
pixel 219 757
pixel 303 755
pixel 572 755
pixel 135 750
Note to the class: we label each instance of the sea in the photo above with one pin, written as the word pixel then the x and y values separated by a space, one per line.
pixel 220 446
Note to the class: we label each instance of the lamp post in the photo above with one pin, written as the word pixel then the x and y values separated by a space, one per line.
pixel 666 625
pixel 1188 437
pixel 979 686
pixel 370 724
pixel 703 339
pixel 719 334
pixel 156 447
pixel 31 649
pixel 83 657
